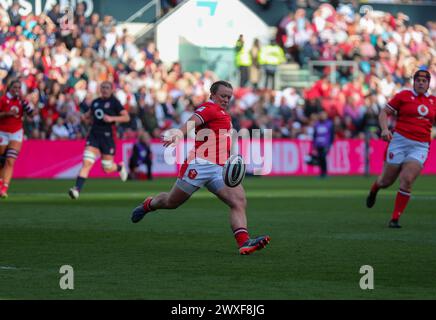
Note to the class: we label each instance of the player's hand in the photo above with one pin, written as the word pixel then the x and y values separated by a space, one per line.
pixel 13 113
pixel 171 137
pixel 386 135
pixel 107 118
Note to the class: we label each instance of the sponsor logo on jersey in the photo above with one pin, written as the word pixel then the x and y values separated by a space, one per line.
pixel 107 105
pixel 422 110
pixel 99 114
pixel 15 109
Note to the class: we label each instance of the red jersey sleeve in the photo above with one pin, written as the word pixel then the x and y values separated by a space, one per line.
pixel 395 103
pixel 205 113
pixel 2 103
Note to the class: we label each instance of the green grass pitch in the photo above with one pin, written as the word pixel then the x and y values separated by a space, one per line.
pixel 321 234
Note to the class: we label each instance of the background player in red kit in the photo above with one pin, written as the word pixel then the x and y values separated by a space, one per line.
pixel 205 168
pixel 415 112
pixel 12 109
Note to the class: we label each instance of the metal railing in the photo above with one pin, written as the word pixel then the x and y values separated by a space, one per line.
pixel 151 27
pixel 140 12
pixel 334 64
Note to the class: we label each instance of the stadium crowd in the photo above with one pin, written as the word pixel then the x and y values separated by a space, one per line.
pixel 386 48
pixel 60 69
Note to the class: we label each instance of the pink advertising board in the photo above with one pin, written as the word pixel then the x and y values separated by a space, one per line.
pixel 63 159
pixel 281 157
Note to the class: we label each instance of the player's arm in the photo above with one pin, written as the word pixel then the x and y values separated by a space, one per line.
pixel 123 117
pixel 173 136
pixel 383 117
pixel 5 114
pixel 392 108
pixel 86 117
pixel 332 135
pixel 27 107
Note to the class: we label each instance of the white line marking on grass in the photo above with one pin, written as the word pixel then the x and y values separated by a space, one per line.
pixel 424 197
pixel 25 197
pixel 8 268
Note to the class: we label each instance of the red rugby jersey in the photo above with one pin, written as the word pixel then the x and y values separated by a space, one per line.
pixel 10 103
pixel 415 114
pixel 213 144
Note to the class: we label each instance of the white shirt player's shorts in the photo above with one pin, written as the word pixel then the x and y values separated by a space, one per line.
pixel 199 173
pixel 6 137
pixel 402 149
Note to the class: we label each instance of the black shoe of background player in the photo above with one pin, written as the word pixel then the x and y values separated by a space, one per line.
pixel 370 200
pixel 394 224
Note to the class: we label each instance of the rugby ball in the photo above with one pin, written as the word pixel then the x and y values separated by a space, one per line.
pixel 234 171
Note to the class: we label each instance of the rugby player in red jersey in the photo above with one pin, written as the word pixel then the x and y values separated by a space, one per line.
pixel 415 112
pixel 204 166
pixel 12 109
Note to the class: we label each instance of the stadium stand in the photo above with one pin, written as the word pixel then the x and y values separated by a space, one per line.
pixel 60 71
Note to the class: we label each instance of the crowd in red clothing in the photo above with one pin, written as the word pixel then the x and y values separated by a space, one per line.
pixel 386 50
pixel 60 70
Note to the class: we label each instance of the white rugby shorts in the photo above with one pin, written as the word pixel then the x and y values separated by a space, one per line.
pixel 198 173
pixel 402 149
pixel 6 137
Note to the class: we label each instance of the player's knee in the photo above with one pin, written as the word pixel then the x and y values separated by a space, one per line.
pixel 172 205
pixel 406 182
pixel 238 202
pixel 88 158
pixel 241 203
pixel 10 156
pixel 9 162
pixel 385 183
pixel 2 158
pixel 107 165
pixel 172 202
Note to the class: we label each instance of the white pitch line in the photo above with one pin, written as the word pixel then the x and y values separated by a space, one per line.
pixel 252 194
pixel 8 268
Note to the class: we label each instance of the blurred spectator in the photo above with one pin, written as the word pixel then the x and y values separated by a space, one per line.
pixel 255 67
pixel 323 137
pixel 14 14
pixel 59 130
pixel 243 60
pixel 55 14
pixel 168 5
pixel 141 160
pixel 264 4
pixel 270 57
